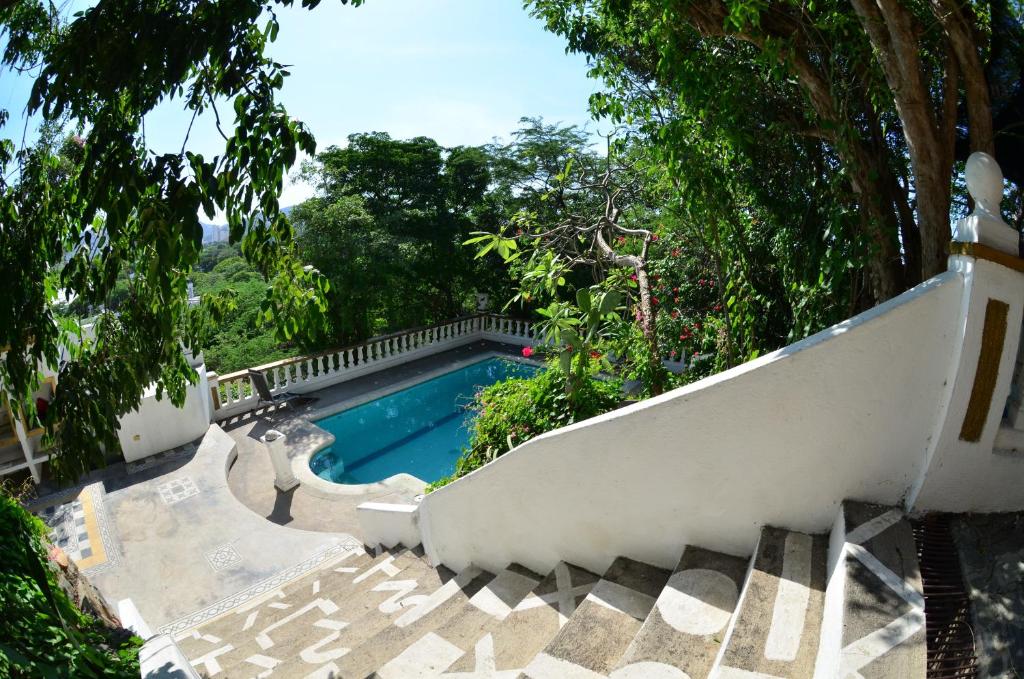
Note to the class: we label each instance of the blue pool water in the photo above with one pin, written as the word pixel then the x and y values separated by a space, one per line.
pixel 420 430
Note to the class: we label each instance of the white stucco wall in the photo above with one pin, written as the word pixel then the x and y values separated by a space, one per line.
pixel 389 524
pixel 782 440
pixel 158 425
pixel 966 476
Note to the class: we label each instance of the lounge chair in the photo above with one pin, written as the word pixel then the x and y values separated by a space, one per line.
pixel 259 383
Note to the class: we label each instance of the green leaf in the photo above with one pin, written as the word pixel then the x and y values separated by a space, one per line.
pixel 583 299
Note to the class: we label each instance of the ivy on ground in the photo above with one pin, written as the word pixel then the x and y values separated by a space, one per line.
pixel 42 633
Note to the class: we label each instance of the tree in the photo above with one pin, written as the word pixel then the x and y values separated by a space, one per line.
pixel 893 93
pixel 75 222
pixel 386 226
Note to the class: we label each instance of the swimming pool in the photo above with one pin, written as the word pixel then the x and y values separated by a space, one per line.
pixel 420 430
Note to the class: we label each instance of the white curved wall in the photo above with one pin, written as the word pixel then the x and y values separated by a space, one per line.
pixel 159 425
pixel 847 413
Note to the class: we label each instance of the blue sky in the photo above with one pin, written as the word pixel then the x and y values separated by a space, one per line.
pixel 460 71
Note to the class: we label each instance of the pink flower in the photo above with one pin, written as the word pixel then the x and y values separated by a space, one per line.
pixel 632 277
pixel 655 237
pixel 527 352
pixel 672 353
pixel 675 314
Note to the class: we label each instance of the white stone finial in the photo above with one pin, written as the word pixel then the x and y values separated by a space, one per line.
pixel 985 183
pixel 985 224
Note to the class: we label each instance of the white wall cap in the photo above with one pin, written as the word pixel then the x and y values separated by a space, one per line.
pixel 387 507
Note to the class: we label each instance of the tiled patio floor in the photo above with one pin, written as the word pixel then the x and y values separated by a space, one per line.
pixel 177 543
pixel 185 539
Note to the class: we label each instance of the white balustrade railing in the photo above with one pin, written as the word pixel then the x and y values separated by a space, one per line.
pixel 233 394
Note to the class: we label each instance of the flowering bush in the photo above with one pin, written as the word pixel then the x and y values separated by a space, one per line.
pixel 513 411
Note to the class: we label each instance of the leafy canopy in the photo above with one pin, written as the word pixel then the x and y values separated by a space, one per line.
pixel 75 218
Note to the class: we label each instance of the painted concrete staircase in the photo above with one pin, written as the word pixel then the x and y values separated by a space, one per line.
pixel 392 616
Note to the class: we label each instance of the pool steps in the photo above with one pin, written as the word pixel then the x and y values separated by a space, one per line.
pixel 802 606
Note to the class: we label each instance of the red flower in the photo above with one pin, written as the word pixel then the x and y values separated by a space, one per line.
pixel 700 282
pixel 654 300
pixel 675 289
pixel 527 352
pixel 697 325
pixel 718 307
pixel 595 354
pixel 675 314
pixel 655 237
pixel 568 348
pixel 675 252
pixel 632 277
pixel 672 353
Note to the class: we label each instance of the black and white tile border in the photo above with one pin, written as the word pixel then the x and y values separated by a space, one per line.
pixel 268 585
pixel 111 546
pixel 166 456
pixel 66 522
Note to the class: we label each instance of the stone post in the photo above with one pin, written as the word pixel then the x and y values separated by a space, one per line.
pixel 284 480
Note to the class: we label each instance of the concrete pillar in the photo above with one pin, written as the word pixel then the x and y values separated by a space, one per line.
pixel 284 480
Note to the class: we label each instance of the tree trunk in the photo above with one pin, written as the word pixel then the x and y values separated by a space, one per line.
pixel 649 328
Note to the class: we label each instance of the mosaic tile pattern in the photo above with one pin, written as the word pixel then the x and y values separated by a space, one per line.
pixel 223 557
pixel 67 528
pixel 80 527
pixel 176 490
pixel 186 450
pixel 106 535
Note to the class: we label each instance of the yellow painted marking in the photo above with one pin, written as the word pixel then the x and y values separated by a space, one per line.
pixel 99 554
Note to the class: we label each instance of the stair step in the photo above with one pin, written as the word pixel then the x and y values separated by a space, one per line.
pixel 416 619
pixel 881 592
pixel 777 624
pixel 687 625
pixel 601 629
pixel 304 625
pixel 508 644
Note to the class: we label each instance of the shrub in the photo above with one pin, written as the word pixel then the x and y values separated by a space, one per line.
pixel 513 411
pixel 42 633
